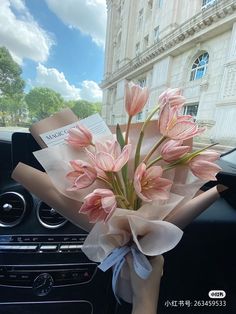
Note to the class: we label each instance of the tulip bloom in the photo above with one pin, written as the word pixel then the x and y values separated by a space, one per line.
pixel 203 166
pixel 135 98
pixel 82 176
pixel 109 157
pixel 173 150
pixel 99 205
pixel 149 185
pixel 79 136
pixel 171 97
pixel 177 127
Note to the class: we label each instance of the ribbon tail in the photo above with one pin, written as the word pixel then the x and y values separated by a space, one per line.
pixel 142 266
pixel 115 276
pixel 116 259
pixel 115 256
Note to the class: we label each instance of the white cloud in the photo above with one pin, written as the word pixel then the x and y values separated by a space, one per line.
pixel 21 34
pixel 52 78
pixel 90 91
pixel 89 16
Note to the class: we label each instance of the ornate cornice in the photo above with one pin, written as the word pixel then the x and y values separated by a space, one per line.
pixel 185 33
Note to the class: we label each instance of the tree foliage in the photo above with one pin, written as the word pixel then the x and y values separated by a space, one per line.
pixel 16 108
pixel 83 108
pixel 11 89
pixel 42 102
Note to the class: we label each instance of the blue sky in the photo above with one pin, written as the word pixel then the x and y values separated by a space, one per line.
pixel 59 44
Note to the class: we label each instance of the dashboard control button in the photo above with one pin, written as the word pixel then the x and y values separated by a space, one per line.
pixel 75 275
pixel 13 276
pixel 26 239
pixel 48 247
pixel 18 247
pixel 64 247
pixel 5 238
pixel 72 246
pixel 27 247
pixel 74 239
pixel 51 239
pixel 9 247
pixel 24 277
pixel 35 239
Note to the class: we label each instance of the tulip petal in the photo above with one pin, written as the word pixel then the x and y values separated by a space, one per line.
pixel 123 158
pixel 104 161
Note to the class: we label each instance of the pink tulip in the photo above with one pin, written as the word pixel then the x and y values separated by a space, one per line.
pixel 175 126
pixel 149 185
pixel 99 205
pixel 203 166
pixel 82 176
pixel 109 157
pixel 135 98
pixel 172 97
pixel 79 136
pixel 173 150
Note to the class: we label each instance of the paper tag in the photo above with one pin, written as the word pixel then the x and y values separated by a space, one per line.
pixel 94 123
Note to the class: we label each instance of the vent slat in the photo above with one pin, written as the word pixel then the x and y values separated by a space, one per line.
pixel 12 215
pixel 48 217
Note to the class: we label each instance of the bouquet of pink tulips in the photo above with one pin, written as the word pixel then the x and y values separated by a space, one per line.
pixel 130 183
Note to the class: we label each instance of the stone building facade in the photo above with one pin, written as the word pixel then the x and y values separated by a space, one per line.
pixel 190 44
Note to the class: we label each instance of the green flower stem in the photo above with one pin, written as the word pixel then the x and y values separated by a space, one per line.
pixel 162 139
pixel 118 191
pixel 138 149
pixel 141 135
pixel 105 181
pixel 114 188
pixel 154 161
pixel 124 201
pixel 127 130
pixel 120 184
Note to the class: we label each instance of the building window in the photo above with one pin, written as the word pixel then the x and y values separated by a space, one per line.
pixel 137 49
pixel 119 39
pixel 199 67
pixel 139 116
pixel 119 12
pixel 207 3
pixel 146 42
pixel 117 64
pixel 191 109
pixel 156 34
pixel 160 3
pixel 150 4
pixel 142 81
pixel 140 18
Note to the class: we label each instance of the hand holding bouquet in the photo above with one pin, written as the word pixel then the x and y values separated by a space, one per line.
pixel 131 184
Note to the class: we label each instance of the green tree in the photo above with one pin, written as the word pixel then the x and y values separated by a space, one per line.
pixel 11 89
pixel 83 108
pixel 42 102
pixel 97 107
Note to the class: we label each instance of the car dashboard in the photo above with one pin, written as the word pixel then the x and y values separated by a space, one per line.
pixel 42 267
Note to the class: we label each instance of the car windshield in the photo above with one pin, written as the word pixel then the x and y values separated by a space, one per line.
pixel 80 54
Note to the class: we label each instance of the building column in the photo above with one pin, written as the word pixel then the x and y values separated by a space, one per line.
pixel 226 107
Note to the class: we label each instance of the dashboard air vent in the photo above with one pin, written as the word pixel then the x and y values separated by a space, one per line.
pixel 48 217
pixel 12 209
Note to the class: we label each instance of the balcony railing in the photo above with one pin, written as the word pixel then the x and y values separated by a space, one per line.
pixel 184 31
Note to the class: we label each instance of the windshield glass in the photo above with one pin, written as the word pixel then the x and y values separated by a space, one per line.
pixel 51 57
pixel 80 54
